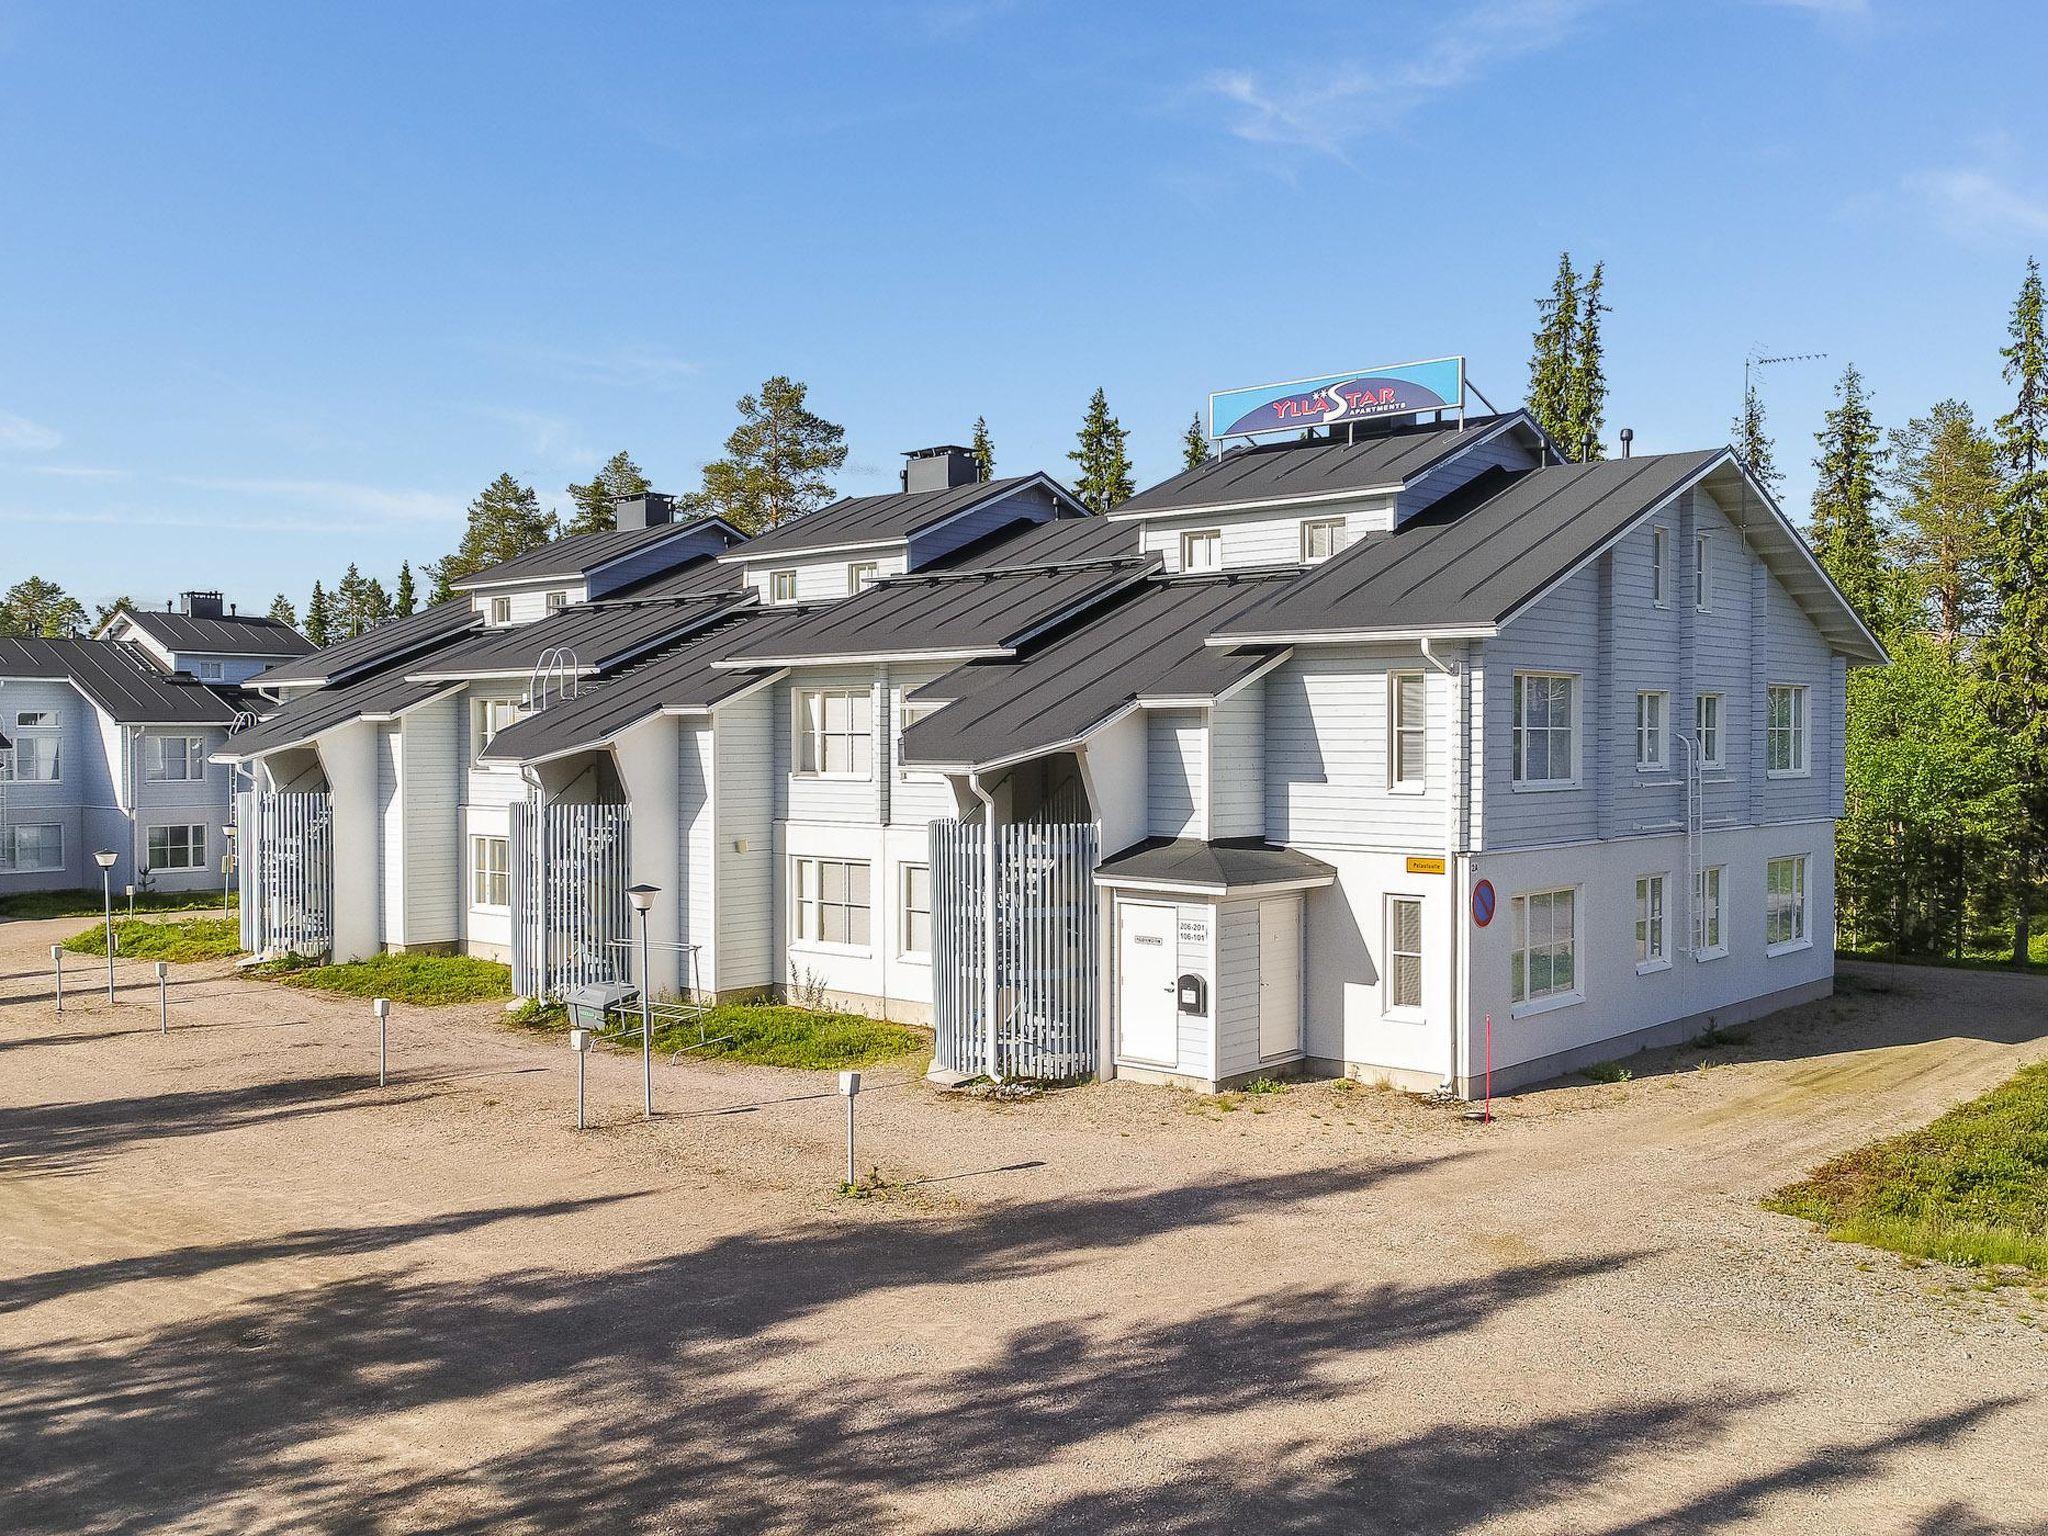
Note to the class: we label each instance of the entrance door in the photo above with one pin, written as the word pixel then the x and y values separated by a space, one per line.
pixel 1279 978
pixel 1145 970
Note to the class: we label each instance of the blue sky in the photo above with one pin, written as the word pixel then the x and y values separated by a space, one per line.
pixel 284 285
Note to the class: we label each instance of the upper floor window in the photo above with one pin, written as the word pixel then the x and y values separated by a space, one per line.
pixel 37 749
pixel 1202 551
pixel 175 759
pixel 1545 704
pixel 37 720
pixel 1706 725
pixel 212 671
pixel 487 717
pixel 1703 573
pixel 1319 538
pixel 501 610
pixel 1652 710
pixel 908 716
pixel 1785 902
pixel 1408 734
pixel 557 601
pixel 861 575
pixel 1660 567
pixel 835 733
pixel 1785 735
pixel 782 586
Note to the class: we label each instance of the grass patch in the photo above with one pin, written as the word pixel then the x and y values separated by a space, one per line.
pixel 1971 1188
pixel 426 980
pixel 781 1035
pixel 199 938
pixel 31 905
pixel 1265 1085
pixel 1607 1072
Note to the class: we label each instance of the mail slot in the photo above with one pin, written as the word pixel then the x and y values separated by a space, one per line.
pixel 1194 994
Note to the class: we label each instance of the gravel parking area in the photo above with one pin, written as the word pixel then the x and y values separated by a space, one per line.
pixel 244 1289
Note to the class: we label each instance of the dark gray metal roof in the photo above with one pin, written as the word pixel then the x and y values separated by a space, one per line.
pixel 1151 645
pixel 597 638
pixel 118 678
pixel 298 722
pixel 1225 864
pixel 578 555
pixel 390 642
pixel 950 615
pixel 695 578
pixel 681 677
pixel 863 520
pixel 1062 540
pixel 233 635
pixel 1324 467
pixel 1472 559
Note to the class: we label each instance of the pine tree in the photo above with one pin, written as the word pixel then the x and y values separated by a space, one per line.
pixel 282 611
pixel 775 461
pixel 376 603
pixel 406 599
pixel 1846 532
pixel 443 589
pixel 1587 413
pixel 345 607
pixel 40 608
pixel 1753 442
pixel 316 617
pixel 1946 486
pixel 1194 445
pixel 2013 661
pixel 983 448
pixel 1105 466
pixel 1552 374
pixel 618 479
pixel 103 614
pixel 504 520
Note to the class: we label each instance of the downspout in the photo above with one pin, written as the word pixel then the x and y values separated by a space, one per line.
pixel 131 785
pixel 988 915
pixel 1454 797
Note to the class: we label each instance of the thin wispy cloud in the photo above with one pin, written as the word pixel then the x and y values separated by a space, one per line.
pixel 629 365
pixel 79 471
pixel 1980 203
pixel 344 498
pixel 1327 107
pixel 20 435
pixel 542 436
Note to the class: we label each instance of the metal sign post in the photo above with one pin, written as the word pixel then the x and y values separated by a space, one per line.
pixel 57 959
pixel 579 1042
pixel 163 998
pixel 849 1088
pixel 382 1007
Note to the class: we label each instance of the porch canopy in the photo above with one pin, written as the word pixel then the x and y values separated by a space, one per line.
pixel 382 697
pixel 1234 865
pixel 377 649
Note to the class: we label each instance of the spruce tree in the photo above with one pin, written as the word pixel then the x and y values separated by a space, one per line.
pixel 1944 472
pixel 617 479
pixel 41 608
pixel 504 520
pixel 1846 532
pixel 1753 442
pixel 983 447
pixel 282 611
pixel 104 612
pixel 2013 660
pixel 405 600
pixel 1552 375
pixel 316 617
pixel 1587 412
pixel 775 461
pixel 1194 445
pixel 1105 467
pixel 345 606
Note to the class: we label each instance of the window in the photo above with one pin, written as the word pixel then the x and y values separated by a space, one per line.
pixel 37 720
pixel 1706 915
pixel 501 610
pixel 211 671
pixel 1785 737
pixel 1651 709
pixel 835 734
pixel 1660 567
pixel 1650 949
pixel 1706 725
pixel 177 847
pixel 1785 903
pixel 487 717
pixel 782 586
pixel 1543 705
pixel 910 714
pixel 916 926
pixel 862 575
pixel 175 759
pixel 1703 573
pixel 557 601
pixel 832 901
pixel 1319 538
pixel 35 759
pixel 490 872
pixel 1404 953
pixel 1201 551
pixel 38 848
pixel 1407 731
pixel 1546 955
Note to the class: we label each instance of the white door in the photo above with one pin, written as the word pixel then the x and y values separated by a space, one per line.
pixel 1145 977
pixel 1279 978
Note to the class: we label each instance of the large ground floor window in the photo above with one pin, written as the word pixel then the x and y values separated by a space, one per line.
pixel 1785 901
pixel 830 901
pixel 177 847
pixel 1546 953
pixel 34 848
pixel 490 872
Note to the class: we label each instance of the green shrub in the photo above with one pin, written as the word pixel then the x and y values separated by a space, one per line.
pixel 1607 1072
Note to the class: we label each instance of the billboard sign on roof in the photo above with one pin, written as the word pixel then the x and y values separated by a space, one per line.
pixel 1399 389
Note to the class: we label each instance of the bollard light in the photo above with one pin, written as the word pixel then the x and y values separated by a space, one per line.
pixel 849 1086
pixel 57 960
pixel 163 998
pixel 105 859
pixel 642 896
pixel 227 864
pixel 381 1006
pixel 129 892
pixel 579 1042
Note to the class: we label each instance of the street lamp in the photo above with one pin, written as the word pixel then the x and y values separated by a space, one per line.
pixel 227 864
pixel 642 896
pixel 105 859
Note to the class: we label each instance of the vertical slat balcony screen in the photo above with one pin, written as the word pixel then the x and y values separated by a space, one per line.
pixel 570 911
pixel 294 873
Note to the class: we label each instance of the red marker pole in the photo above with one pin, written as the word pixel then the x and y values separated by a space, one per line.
pixel 1487 1118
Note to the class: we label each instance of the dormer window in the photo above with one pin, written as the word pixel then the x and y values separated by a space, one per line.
pixel 782 586
pixel 861 575
pixel 557 601
pixel 501 610
pixel 211 671
pixel 1319 538
pixel 1202 551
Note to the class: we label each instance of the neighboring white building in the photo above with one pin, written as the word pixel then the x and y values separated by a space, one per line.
pixel 205 638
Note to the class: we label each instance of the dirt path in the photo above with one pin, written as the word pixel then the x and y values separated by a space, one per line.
pixel 243 1289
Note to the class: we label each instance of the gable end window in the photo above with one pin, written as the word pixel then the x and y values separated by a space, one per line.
pixel 1703 573
pixel 1652 709
pixel 1545 704
pixel 1706 725
pixel 1785 733
pixel 1660 567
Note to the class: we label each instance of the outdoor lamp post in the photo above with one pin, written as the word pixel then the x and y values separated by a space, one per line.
pixel 642 896
pixel 227 866
pixel 105 859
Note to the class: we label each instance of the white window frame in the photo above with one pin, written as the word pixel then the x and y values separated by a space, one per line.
pixel 807 903
pixel 907 715
pixel 1660 566
pixel 1797 909
pixel 557 601
pixel 501 612
pixel 907 909
pixel 1798 735
pixel 861 575
pixel 1399 726
pixel 39 719
pixel 1393 1007
pixel 810 736
pixel 487 717
pixel 1210 540
pixel 1517 738
pixel 1714 878
pixel 153 770
pixel 487 873
pixel 1705 731
pixel 194 845
pixel 14 844
pixel 42 729
pixel 1653 922
pixel 777 582
pixel 1310 526
pixel 1703 573
pixel 1522 1001
pixel 213 671
pixel 1653 737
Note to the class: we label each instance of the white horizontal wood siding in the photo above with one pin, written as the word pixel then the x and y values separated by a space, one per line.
pixel 1264 537
pixel 1236 1000
pixel 529 602
pixel 697 839
pixel 1237 764
pixel 743 823
pixel 1503 452
pixel 823 578
pixel 391 834
pixel 1326 728
pixel 810 797
pixel 1177 772
pixel 914 798
pixel 1561 634
pixel 436 867
pixel 1032 504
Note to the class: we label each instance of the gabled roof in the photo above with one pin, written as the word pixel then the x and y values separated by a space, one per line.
pixel 1063 541
pixel 865 522
pixel 1325 468
pixel 584 637
pixel 389 643
pixel 1192 864
pixel 231 635
pixel 118 678
pixel 693 578
pixel 582 554
pixel 384 696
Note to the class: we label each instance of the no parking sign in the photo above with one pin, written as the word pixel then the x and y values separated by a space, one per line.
pixel 1482 903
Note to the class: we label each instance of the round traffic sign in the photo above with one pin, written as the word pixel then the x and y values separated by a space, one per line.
pixel 1482 903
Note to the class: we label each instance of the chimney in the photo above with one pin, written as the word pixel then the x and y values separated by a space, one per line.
pixel 649 511
pixel 939 469
pixel 201 605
